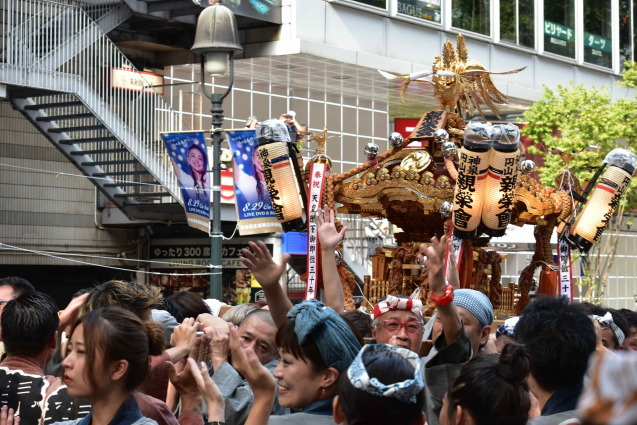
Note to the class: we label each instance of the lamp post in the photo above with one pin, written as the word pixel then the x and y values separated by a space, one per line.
pixel 217 41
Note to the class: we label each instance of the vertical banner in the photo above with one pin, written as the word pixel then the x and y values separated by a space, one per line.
pixel 564 262
pixel 190 159
pixel 314 200
pixel 254 207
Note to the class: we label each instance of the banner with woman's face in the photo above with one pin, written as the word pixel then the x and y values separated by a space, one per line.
pixel 189 157
pixel 254 207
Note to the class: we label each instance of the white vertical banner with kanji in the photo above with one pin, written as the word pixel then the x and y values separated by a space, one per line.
pixel 314 200
pixel 564 262
pixel 454 247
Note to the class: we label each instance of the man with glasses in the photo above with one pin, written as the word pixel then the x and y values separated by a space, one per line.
pixel 398 321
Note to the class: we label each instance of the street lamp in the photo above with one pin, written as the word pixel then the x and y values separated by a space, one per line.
pixel 217 41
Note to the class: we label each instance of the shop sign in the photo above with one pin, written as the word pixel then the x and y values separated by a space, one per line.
pixel 130 79
pixel 560 34
pixel 195 256
pixel 597 42
pixel 422 9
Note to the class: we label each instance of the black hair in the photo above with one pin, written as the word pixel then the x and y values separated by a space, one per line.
pixel 182 305
pixel 287 340
pixel 82 292
pixel 20 286
pixel 28 323
pixel 493 389
pixel 630 316
pixel 361 407
pixel 359 320
pixel 560 338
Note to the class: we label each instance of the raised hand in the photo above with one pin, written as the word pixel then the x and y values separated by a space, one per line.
pixel 219 346
pixel 328 236
pixel 69 315
pixel 183 339
pixel 209 390
pixel 433 257
pixel 268 273
pixel 260 262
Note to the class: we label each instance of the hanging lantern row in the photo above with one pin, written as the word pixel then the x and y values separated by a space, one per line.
pixel 487 175
pixel 604 199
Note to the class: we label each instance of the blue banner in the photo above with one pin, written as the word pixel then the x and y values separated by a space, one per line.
pixel 189 156
pixel 254 207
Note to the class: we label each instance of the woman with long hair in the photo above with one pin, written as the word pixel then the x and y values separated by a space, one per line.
pixel 107 359
pixel 197 164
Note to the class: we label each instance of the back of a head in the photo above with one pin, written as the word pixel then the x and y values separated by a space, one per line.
pixel 28 324
pixel 560 338
pixel 136 297
pixel 359 320
pixel 362 406
pixel 120 335
pixel 20 286
pixel 493 388
pixel 630 316
pixel 185 304
pixel 237 313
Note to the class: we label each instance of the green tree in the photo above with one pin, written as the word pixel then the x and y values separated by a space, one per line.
pixel 572 119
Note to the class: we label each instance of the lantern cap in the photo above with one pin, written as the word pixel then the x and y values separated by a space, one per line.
pixel 272 130
pixel 217 31
pixel 622 158
pixel 463 234
pixel 578 242
pixel 479 137
pixel 494 233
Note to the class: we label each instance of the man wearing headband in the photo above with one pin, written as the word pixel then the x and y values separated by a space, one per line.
pixel 611 325
pixel 399 322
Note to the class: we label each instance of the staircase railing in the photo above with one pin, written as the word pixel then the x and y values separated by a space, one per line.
pixel 37 30
pixel 362 239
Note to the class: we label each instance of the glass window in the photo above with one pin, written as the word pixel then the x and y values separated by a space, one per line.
pixel 472 15
pixel 517 22
pixel 376 3
pixel 559 27
pixel 428 10
pixel 625 24
pixel 598 47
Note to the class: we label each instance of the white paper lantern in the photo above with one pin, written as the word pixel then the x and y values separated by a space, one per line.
pixel 604 199
pixel 469 192
pixel 281 182
pixel 499 189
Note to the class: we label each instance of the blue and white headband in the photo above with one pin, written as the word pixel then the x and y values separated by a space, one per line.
pixel 405 391
pixel 607 321
pixel 508 328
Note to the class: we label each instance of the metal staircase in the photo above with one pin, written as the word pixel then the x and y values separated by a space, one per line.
pixel 57 63
pixel 361 241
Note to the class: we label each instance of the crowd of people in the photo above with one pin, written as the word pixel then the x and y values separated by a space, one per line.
pixel 120 353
